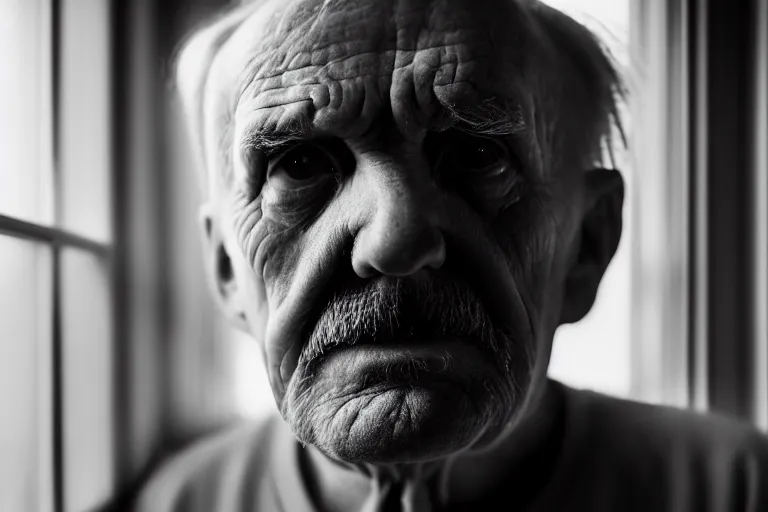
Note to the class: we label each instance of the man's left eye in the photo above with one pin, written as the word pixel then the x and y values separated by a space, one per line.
pixel 303 164
pixel 459 155
pixel 477 153
pixel 483 169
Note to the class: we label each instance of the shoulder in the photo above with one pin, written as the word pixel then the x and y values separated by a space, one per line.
pixel 667 426
pixel 211 471
pixel 690 457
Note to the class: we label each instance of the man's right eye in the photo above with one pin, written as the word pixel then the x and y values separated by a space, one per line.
pixel 302 164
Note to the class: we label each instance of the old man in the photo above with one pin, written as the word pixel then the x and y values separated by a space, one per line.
pixel 404 200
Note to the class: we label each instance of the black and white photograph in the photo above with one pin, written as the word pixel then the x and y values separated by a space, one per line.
pixel 383 255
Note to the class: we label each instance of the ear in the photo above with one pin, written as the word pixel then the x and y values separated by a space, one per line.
pixel 596 243
pixel 220 271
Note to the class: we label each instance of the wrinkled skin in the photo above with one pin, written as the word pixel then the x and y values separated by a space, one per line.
pixel 372 83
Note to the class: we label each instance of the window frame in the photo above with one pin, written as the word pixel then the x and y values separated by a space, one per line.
pixel 711 352
pixel 56 239
pixel 730 223
pixel 50 232
pixel 761 224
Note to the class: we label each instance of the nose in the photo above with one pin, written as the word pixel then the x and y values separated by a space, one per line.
pixel 402 234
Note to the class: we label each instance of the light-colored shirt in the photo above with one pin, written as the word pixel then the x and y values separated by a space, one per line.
pixel 616 455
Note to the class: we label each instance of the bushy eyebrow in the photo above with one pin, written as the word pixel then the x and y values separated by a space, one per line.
pixel 272 141
pixel 491 117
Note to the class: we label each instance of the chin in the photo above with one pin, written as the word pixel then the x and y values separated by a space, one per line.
pixel 399 405
pixel 402 424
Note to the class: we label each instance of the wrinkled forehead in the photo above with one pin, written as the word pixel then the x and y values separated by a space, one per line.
pixel 338 65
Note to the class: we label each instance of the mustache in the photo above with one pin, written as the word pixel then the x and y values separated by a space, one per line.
pixel 432 306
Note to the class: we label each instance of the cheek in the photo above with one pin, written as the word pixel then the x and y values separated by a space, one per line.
pixel 251 245
pixel 268 249
pixel 528 233
pixel 531 234
pixel 283 268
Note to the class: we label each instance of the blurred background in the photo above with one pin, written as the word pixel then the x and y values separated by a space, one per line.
pixel 112 354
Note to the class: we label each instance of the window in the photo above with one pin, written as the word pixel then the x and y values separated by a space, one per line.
pixel 697 223
pixel 56 333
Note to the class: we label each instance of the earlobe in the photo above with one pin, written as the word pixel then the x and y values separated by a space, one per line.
pixel 597 242
pixel 221 275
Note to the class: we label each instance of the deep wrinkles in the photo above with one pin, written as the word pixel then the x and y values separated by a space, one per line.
pixel 297 65
pixel 343 100
pixel 318 58
pixel 335 70
pixel 323 77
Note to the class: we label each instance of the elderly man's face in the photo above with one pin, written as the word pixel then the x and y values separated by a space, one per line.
pixel 392 229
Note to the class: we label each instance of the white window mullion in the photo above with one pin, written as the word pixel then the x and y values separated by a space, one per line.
pixel 760 170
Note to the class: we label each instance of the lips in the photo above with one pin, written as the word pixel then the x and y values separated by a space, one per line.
pixel 402 363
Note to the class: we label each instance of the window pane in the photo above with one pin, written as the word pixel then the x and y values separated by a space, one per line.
pixel 85 108
pixel 25 107
pixel 87 381
pixel 26 434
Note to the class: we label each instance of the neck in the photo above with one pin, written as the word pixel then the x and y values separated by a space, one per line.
pixel 527 450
